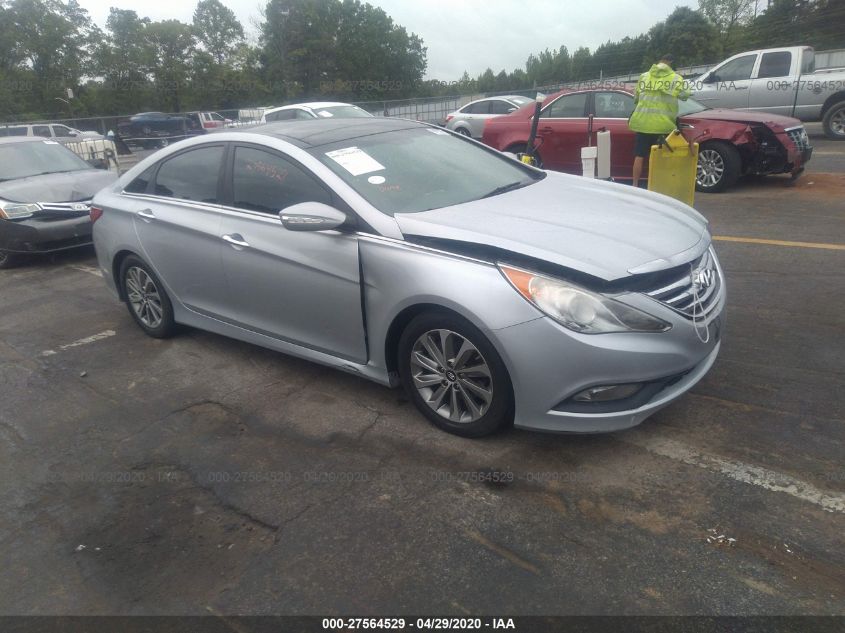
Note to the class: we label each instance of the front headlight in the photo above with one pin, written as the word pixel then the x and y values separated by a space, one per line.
pixel 16 211
pixel 579 309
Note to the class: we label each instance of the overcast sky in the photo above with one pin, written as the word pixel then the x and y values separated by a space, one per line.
pixel 467 35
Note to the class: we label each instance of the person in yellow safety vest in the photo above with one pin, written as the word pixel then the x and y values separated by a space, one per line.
pixel 656 109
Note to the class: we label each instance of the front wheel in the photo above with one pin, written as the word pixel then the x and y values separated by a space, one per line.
pixel 8 260
pixel 719 167
pixel 463 132
pixel 834 122
pixel 454 375
pixel 146 299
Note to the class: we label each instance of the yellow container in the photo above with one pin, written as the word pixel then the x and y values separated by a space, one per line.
pixel 671 168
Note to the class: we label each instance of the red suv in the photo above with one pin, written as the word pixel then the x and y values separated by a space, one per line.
pixel 732 143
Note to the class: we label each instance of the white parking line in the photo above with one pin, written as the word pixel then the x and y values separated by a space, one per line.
pixel 83 341
pixel 87 269
pixel 746 473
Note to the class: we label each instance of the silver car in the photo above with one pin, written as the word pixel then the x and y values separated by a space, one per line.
pixel 492 291
pixel 469 120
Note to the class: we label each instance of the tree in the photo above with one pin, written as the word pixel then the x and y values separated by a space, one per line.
pixel 172 46
pixel 217 29
pixel 728 16
pixel 687 35
pixel 124 58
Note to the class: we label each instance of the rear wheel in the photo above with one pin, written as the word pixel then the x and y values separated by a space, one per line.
pixel 146 299
pixel 454 375
pixel 463 131
pixel 834 122
pixel 719 167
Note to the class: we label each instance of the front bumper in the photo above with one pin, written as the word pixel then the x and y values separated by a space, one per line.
pixel 44 235
pixel 549 364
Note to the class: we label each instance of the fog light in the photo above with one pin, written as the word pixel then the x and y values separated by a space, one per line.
pixel 605 393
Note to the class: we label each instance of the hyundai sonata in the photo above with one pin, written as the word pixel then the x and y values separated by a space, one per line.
pixel 492 291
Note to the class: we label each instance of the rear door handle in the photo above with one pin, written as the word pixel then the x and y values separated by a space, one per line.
pixel 546 130
pixel 236 240
pixel 740 87
pixel 146 214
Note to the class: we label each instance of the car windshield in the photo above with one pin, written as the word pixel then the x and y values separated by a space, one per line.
pixel 342 112
pixel 21 160
pixel 690 106
pixel 418 169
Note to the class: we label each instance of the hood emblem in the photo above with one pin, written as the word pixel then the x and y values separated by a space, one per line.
pixel 79 206
pixel 703 278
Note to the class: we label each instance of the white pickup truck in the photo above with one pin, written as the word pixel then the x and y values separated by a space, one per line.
pixel 781 81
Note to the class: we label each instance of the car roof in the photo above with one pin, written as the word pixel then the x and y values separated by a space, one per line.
pixel 312 105
pixel 318 132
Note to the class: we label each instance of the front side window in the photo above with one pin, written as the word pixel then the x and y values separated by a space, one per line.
pixel 266 182
pixel 281 115
pixel 192 175
pixel 567 107
pixel 500 107
pixel 736 70
pixel 41 130
pixel 417 169
pixel 613 105
pixel 61 130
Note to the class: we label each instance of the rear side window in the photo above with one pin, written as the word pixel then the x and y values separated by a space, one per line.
pixel 281 115
pixel 16 131
pixel 613 105
pixel 192 175
pixel 775 64
pixel 41 130
pixel 267 182
pixel 139 185
pixel 567 107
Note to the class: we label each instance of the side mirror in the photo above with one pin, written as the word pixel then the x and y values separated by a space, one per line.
pixel 311 216
pixel 709 79
pixel 511 110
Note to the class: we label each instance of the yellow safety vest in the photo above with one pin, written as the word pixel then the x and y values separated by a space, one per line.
pixel 656 98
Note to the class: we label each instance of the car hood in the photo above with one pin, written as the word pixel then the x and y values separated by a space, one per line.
pixel 64 187
pixel 602 229
pixel 745 116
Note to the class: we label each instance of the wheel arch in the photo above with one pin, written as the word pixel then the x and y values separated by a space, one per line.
pixel 117 262
pixel 401 321
pixel 831 100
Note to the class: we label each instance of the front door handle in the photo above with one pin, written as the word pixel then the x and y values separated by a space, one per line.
pixel 740 87
pixel 236 240
pixel 547 130
pixel 146 214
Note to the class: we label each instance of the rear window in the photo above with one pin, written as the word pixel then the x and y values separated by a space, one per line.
pixel 775 64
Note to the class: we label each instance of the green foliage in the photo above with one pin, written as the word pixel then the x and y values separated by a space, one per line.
pixel 338 49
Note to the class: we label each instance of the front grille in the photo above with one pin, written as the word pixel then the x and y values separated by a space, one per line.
pixel 798 135
pixel 66 206
pixel 701 278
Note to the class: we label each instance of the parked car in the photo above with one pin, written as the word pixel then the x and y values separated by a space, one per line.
pixel 781 81
pixel 45 130
pixel 732 143
pixel 45 195
pixel 156 129
pixel 316 110
pixel 96 149
pixel 403 253
pixel 209 120
pixel 469 120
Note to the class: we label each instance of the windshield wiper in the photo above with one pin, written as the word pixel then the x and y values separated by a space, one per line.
pixel 506 188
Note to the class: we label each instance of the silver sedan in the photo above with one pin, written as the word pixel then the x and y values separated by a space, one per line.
pixel 495 293
pixel 469 120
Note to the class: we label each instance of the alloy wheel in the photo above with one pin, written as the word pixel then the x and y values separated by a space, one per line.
pixel 837 122
pixel 144 297
pixel 451 376
pixel 710 168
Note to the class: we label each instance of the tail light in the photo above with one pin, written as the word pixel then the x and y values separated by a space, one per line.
pixel 449 117
pixel 95 214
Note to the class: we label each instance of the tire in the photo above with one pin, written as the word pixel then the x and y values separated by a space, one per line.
pixel 9 260
pixel 463 132
pixel 472 404
pixel 146 298
pixel 719 167
pixel 834 122
pixel 520 148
